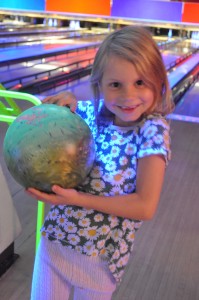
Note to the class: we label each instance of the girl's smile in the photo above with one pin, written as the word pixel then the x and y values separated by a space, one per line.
pixel 125 94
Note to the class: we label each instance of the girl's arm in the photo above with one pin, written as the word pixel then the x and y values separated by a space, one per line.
pixel 140 205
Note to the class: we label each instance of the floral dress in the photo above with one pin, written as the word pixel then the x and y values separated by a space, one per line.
pixel 118 149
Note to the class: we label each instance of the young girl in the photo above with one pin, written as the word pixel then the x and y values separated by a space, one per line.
pixel 88 235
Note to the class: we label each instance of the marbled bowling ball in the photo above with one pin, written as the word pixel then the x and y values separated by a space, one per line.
pixel 46 145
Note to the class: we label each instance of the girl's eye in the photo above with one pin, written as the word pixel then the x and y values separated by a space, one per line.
pixel 115 84
pixel 140 82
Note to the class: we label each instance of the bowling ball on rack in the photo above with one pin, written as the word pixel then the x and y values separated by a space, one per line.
pixel 47 145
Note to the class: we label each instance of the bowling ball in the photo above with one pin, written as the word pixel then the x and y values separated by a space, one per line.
pixel 47 145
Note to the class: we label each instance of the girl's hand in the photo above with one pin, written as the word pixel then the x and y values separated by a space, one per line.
pixel 63 99
pixel 60 197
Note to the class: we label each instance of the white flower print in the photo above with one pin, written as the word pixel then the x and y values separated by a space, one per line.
pixel 98 217
pixel 88 247
pixel 115 137
pixel 100 244
pixel 81 232
pixel 162 122
pixel 116 234
pixel 123 160
pixel 130 236
pixel 129 188
pixel 105 145
pixel 118 177
pixel 134 161
pixel 78 249
pixel 84 222
pixel 50 228
pixel 73 239
pixel 70 227
pixel 94 253
pixel 111 166
pixel 150 131
pixel 97 184
pixel 158 138
pixel 104 229
pixel 121 262
pixel 116 190
pixel 123 247
pixel 59 234
pixel 145 126
pixel 115 151
pixel 106 158
pixel 107 177
pixel 96 172
pixel 61 219
pixel 103 252
pixel 130 149
pixel 127 224
pixel 129 173
pixel 100 138
pixel 68 211
pixel 122 141
pixel 79 214
pixel 91 233
pixel 83 106
pixel 147 145
pixel 116 254
pixel 113 221
pixel 53 214
pixel 112 268
pixel 126 258
pixel 111 248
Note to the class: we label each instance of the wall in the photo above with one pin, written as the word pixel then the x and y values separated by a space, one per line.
pixel 23 4
pixel 98 7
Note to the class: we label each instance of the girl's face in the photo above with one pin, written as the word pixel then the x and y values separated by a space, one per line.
pixel 124 91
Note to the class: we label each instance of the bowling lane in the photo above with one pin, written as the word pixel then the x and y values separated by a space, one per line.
pixel 179 51
pixel 38 50
pixel 180 72
pixel 38 63
pixel 187 108
pixel 47 37
pixel 50 65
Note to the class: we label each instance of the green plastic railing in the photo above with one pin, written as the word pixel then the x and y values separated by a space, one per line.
pixel 13 108
pixel 6 115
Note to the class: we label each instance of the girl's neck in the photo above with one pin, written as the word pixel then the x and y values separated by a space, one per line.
pixel 121 123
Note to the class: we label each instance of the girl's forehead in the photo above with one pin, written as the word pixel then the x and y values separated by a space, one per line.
pixel 120 67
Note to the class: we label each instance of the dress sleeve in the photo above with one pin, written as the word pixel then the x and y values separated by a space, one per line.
pixel 154 138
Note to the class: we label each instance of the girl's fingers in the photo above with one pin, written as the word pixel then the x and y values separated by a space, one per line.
pixel 63 99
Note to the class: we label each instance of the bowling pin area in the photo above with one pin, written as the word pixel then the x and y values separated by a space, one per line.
pixel 44 60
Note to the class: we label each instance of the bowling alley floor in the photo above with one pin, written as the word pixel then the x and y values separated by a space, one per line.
pixel 165 261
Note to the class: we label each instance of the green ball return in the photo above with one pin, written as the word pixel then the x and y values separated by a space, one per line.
pixel 9 110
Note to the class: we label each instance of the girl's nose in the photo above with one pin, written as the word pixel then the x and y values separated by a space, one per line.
pixel 129 92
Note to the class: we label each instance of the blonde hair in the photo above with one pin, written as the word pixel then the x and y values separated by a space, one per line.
pixel 136 45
